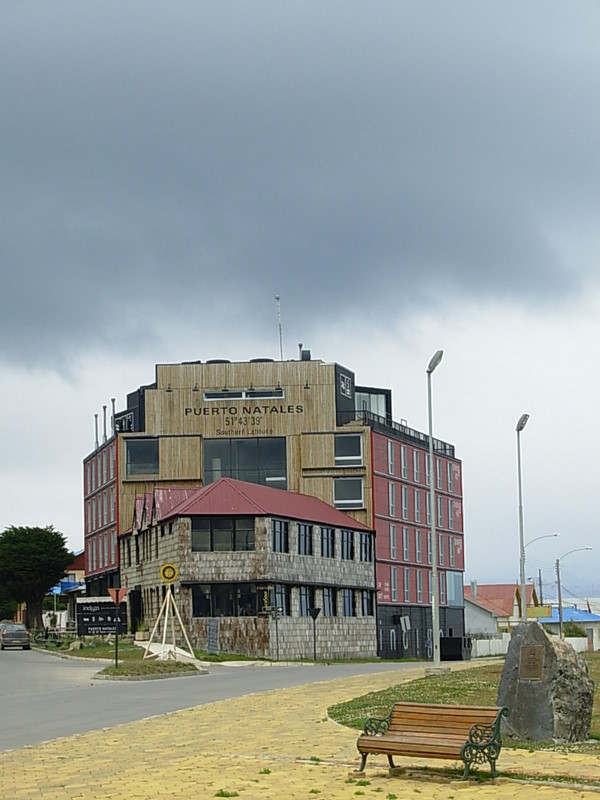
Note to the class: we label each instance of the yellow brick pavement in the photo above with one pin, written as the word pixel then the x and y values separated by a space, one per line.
pixel 276 745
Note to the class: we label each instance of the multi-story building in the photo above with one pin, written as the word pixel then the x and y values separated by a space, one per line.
pixel 259 563
pixel 303 425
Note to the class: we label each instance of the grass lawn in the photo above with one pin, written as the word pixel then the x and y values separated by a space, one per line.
pixel 131 661
pixel 476 686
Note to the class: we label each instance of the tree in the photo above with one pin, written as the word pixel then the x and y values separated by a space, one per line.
pixel 32 560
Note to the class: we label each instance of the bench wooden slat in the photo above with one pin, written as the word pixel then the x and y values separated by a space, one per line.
pixel 436 731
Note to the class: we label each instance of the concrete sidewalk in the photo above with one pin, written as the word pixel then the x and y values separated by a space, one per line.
pixel 276 745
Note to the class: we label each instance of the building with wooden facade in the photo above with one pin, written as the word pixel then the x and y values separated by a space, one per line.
pixel 304 426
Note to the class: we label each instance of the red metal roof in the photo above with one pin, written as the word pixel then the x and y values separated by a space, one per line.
pixel 500 597
pixel 228 496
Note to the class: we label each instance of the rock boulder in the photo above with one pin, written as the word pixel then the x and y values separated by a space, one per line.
pixel 547 688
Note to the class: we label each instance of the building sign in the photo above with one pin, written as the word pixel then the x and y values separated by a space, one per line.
pixel 99 617
pixel 246 420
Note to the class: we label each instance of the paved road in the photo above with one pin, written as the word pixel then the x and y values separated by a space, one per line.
pixel 46 697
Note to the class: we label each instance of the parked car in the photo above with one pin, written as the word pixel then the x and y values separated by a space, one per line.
pixel 14 634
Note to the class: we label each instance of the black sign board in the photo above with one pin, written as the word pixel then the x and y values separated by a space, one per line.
pixel 99 618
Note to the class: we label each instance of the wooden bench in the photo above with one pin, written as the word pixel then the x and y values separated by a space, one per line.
pixel 469 733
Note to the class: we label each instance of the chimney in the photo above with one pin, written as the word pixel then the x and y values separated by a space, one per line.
pixel 474 590
pixel 113 400
pixel 96 429
pixel 104 418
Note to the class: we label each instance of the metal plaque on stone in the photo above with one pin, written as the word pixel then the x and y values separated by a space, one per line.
pixel 531 664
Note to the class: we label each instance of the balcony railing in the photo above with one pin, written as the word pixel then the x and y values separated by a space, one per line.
pixel 390 428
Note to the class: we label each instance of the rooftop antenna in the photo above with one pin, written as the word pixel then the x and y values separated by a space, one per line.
pixel 278 299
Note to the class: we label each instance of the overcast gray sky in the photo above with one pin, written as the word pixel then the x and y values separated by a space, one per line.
pixel 406 176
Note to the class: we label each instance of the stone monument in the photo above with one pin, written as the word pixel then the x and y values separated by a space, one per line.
pixel 546 686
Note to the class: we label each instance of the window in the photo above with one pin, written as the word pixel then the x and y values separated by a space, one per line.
pixel 407 586
pixel 106 549
pixel 429 547
pixel 449 472
pixel 392 541
pixel 141 457
pixel 327 542
pixel 454 588
pixel 348 603
pixel 113 546
pixel 112 504
pixel 405 550
pixel 256 460
pixel 438 473
pixel 100 555
pixel 111 460
pixel 105 508
pixel 348 493
pixel 441 550
pixel 416 466
pixel 404 502
pixel 305 543
pixel 428 506
pixel 451 514
pixel 394 584
pixel 451 547
pixel 244 394
pixel 417 505
pixel 443 587
pixel 367 603
pixel 329 604
pixel 224 600
pixel 390 453
pixel 221 534
pixel 418 553
pixel 427 469
pixel 348 450
pixel 392 499
pixel 440 511
pixel 365 541
pixel 281 598
pixel 306 600
pixel 279 529
pixel 104 466
pixel 419 586
pixel 347 545
pixel 403 466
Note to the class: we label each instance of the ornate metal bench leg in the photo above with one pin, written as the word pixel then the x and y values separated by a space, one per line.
pixel 465 774
pixel 363 762
pixel 391 762
pixel 493 766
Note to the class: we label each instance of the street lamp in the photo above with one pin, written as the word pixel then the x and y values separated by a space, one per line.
pixel 435 602
pixel 558 560
pixel 520 425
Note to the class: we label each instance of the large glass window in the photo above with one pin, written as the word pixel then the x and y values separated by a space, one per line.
pixel 254 460
pixel 348 603
pixel 329 604
pixel 348 450
pixel 306 600
pixel 224 599
pixel 367 603
pixel 454 588
pixel 222 534
pixel 365 542
pixel 348 493
pixel 305 545
pixel 141 457
pixel 347 545
pixel 327 542
pixel 280 540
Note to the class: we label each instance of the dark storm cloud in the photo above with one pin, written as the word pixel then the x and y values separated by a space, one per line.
pixel 347 156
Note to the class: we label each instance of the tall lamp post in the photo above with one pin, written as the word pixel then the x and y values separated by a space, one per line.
pixel 558 560
pixel 435 601
pixel 520 425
